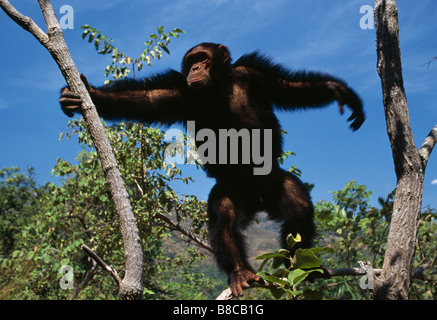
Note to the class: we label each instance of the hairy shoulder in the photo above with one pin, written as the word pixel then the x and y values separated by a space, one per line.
pixel 257 62
pixel 264 65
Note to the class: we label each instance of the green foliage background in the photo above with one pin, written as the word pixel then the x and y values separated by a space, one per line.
pixel 42 228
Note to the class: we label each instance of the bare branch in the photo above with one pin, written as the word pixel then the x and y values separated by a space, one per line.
pixel 25 22
pixel 173 225
pixel 177 227
pixel 88 276
pixel 350 272
pixel 102 263
pixel 429 62
pixel 427 146
pixel 418 273
pixel 227 294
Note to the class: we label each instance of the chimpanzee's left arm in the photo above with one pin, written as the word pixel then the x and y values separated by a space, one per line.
pixel 309 89
pixel 289 90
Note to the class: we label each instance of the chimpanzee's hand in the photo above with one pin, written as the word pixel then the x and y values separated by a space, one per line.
pixel 70 101
pixel 345 95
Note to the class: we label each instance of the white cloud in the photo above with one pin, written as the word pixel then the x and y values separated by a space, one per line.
pixel 434 182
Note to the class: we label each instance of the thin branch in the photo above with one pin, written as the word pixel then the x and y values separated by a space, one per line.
pixel 88 276
pixel 177 227
pixel 173 225
pixel 429 62
pixel 227 294
pixel 351 272
pixel 25 22
pixel 427 146
pixel 418 273
pixel 103 264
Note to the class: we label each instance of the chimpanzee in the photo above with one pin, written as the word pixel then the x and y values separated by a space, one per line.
pixel 217 94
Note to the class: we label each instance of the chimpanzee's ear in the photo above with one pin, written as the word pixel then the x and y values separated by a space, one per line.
pixel 225 53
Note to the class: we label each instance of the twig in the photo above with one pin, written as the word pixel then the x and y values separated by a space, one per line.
pixel 427 146
pixel 25 22
pixel 418 273
pixel 177 227
pixel 81 285
pixel 429 62
pixel 173 225
pixel 351 272
pixel 227 293
pixel 103 264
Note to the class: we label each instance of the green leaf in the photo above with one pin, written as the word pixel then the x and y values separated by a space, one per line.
pixel 277 293
pixel 281 273
pixel 92 35
pixel 297 276
pixel 305 259
pixel 292 241
pixel 277 261
pixel 86 32
pixel 164 48
pixel 293 293
pixel 310 294
pixel 272 278
pixel 279 255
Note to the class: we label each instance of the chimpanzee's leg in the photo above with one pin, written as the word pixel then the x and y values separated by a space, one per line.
pixel 230 209
pixel 289 201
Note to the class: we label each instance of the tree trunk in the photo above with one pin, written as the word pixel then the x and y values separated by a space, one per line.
pixel 131 285
pixel 395 279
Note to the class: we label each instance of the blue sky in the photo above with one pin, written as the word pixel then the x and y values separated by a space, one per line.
pixel 314 35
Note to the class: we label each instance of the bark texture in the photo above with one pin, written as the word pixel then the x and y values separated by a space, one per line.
pixel 395 280
pixel 131 285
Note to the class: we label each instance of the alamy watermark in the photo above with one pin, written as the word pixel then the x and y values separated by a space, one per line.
pixel 67 279
pixel 225 146
pixel 366 282
pixel 367 21
pixel 67 20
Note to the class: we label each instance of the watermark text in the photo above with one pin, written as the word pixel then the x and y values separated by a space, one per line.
pixel 227 146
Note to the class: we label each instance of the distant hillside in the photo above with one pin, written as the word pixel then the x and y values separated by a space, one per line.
pixel 262 237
